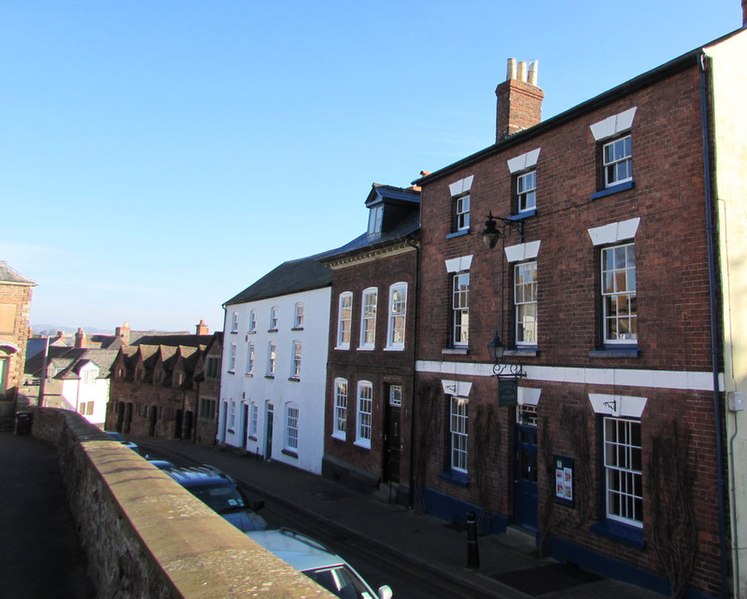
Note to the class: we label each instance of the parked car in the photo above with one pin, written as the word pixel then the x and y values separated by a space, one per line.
pixel 318 563
pixel 220 492
pixel 162 464
pixel 117 436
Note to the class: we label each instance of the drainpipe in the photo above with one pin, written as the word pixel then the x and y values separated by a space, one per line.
pixel 713 297
pixel 414 244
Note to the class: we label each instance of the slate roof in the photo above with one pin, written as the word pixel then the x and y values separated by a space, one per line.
pixel 13 277
pixel 174 340
pixel 68 361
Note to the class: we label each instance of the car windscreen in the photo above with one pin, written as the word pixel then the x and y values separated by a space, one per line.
pixel 222 499
pixel 341 581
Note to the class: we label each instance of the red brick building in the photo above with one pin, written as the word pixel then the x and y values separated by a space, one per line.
pixel 370 368
pixel 601 426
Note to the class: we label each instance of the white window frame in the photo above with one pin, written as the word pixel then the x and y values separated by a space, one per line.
pixel 272 351
pixel 395 396
pixel 375 219
pixel 364 414
pixel 235 322
pixel 462 212
pixel 298 315
pixel 397 322
pixel 525 303
pixel 252 321
pixel 292 426
pixel 526 191
pixel 340 414
pixel 458 434
pixel 232 358
pixel 250 357
pixel 344 319
pixel 617 160
pixel 460 309
pixel 296 354
pixel 623 474
pixel 274 318
pixel 253 419
pixel 618 289
pixel 369 300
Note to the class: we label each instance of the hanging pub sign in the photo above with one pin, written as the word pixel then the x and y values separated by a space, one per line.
pixel 508 392
pixel 563 480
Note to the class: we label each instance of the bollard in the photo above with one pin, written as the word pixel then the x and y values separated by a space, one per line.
pixel 473 551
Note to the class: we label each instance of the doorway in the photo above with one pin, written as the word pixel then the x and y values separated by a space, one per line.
pixel 269 418
pixel 525 491
pixel 392 434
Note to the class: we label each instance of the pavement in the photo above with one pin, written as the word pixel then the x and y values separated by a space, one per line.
pixel 508 564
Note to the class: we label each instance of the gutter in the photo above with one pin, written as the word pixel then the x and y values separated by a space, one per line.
pixel 713 297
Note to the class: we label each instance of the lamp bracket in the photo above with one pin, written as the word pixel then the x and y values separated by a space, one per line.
pixel 509 371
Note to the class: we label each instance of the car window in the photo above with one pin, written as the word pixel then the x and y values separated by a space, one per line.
pixel 221 499
pixel 341 581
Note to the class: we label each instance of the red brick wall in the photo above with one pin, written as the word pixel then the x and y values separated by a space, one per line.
pixel 20 295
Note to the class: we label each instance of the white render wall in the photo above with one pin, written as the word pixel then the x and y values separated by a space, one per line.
pixel 75 392
pixel 239 390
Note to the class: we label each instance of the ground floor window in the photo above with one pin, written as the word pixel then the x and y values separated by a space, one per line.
pixel 365 414
pixel 622 466
pixel 291 426
pixel 458 433
pixel 207 408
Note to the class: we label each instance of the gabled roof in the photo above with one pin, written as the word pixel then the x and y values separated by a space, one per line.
pixel 293 276
pixel 388 193
pixel 69 360
pixel 13 277
pixel 174 340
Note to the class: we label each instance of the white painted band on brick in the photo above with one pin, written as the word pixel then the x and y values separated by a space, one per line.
pixel 617 405
pixel 457 388
pixel 650 379
pixel 613 125
pixel 459 264
pixel 522 251
pixel 461 186
pixel 523 162
pixel 614 232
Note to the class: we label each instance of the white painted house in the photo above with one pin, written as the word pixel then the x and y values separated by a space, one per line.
pixel 276 334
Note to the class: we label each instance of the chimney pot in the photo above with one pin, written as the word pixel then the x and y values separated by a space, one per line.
pixel 202 328
pixel 533 68
pixel 522 71
pixel 80 338
pixel 511 69
pixel 519 100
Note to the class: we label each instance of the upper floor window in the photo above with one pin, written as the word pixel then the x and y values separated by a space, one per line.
pixel 623 471
pixel 207 408
pixel 212 366
pixel 232 358
pixel 235 322
pixel 178 379
pixel 274 318
pixel 460 309
pixel 458 433
pixel 368 318
pixel 526 191
pixel 375 219
pixel 525 303
pixel 296 360
pixel 397 316
pixel 340 416
pixel 89 376
pixel 271 358
pixel 364 414
pixel 250 358
pixel 619 308
pixel 298 316
pixel 291 426
pixel 344 319
pixel 252 321
pixel 461 213
pixel 617 161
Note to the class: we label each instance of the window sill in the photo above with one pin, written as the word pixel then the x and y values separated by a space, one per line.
pixel 230 430
pixel 227 372
pixel 342 347
pixel 523 215
pixel 251 438
pixel 272 330
pixel 249 375
pixel 453 477
pixel 290 453
pixel 294 379
pixel 234 332
pixel 297 329
pixel 460 233
pixel 363 445
pixel 522 352
pixel 615 352
pixel 338 437
pixel 366 348
pixel 269 376
pixel 455 351
pixel 394 348
pixel 613 190
pixel 253 332
pixel 615 531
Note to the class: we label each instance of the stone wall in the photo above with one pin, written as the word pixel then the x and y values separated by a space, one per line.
pixel 144 535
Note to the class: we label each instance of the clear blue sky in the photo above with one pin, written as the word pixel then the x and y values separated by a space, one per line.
pixel 156 158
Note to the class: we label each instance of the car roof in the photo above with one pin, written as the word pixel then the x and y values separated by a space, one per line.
pixel 201 476
pixel 301 552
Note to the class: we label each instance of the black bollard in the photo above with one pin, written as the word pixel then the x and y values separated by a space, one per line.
pixel 473 551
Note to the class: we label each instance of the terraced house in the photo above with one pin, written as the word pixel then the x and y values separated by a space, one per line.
pixel 579 365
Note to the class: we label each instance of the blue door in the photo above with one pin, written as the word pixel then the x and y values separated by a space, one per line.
pixel 525 495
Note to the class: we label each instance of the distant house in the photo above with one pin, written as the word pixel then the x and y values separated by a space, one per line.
pixel 15 304
pixel 155 385
pixel 274 360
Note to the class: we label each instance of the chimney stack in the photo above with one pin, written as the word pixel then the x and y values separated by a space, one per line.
pixel 80 338
pixel 519 99
pixel 202 328
pixel 123 332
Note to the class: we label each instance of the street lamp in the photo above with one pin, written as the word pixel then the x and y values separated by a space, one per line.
pixel 502 369
pixel 491 235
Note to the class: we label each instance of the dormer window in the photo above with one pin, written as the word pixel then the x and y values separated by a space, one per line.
pixel 375 218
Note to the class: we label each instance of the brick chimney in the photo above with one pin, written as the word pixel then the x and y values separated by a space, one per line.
pixel 123 332
pixel 80 338
pixel 202 328
pixel 519 100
